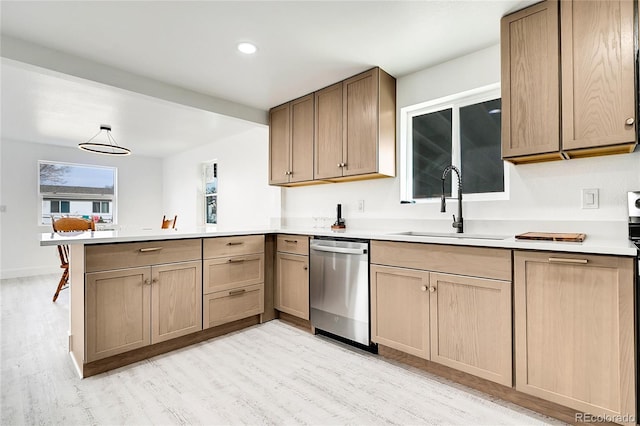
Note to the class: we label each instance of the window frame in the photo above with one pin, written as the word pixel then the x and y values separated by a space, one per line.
pixel 205 196
pixel 66 197
pixel 455 102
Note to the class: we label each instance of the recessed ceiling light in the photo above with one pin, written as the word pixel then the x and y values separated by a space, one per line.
pixel 247 48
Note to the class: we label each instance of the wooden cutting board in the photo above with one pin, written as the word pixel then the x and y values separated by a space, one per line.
pixel 552 236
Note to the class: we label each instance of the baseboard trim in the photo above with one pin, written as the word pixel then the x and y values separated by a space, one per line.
pixel 29 272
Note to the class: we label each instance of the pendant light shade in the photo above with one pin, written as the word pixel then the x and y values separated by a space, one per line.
pixel 111 148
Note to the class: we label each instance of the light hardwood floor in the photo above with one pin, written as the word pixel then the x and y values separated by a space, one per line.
pixel 269 374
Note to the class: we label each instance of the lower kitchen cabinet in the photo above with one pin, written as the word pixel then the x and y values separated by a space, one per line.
pixel 400 309
pixel 130 308
pixel 574 330
pixel 292 284
pixel 471 325
pixel 231 305
pixel 233 279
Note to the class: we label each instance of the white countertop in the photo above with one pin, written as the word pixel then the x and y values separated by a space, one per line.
pixel 593 244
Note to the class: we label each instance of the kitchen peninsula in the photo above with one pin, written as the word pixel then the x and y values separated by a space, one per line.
pixel 135 295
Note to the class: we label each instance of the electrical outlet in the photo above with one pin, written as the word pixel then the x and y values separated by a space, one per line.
pixel 361 205
pixel 590 198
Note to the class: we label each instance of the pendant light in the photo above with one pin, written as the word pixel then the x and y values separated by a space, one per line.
pixel 111 148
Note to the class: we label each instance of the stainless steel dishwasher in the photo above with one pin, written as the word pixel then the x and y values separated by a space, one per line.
pixel 339 289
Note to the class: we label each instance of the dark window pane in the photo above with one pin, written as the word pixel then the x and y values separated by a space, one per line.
pixel 211 209
pixel 431 153
pixel 64 207
pixel 95 207
pixel 55 207
pixel 105 207
pixel 482 166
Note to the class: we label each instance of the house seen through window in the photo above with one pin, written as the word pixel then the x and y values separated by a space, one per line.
pixel 463 130
pixel 210 172
pixel 76 190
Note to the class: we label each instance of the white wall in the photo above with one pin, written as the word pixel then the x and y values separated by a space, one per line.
pixel 545 191
pixel 245 200
pixel 139 201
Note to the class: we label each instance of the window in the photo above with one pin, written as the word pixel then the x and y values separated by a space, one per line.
pixel 77 190
pixel 463 130
pixel 211 193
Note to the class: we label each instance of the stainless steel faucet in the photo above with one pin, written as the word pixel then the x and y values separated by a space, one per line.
pixel 458 224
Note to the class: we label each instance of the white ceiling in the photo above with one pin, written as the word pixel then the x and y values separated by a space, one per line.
pixel 302 46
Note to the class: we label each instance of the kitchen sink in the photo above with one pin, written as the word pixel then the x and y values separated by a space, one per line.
pixel 451 235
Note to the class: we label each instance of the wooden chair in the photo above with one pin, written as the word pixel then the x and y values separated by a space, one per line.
pixel 167 223
pixel 62 225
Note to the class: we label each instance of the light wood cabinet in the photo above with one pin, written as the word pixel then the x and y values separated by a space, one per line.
pixel 592 73
pixel 233 278
pixel 291 142
pixel 292 275
pixel 531 84
pixel 574 330
pixel 117 311
pixel 421 306
pixel 355 128
pixel 131 308
pixel 400 309
pixel 598 78
pixel 471 325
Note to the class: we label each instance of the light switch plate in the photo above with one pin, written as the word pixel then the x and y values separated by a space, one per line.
pixel 590 198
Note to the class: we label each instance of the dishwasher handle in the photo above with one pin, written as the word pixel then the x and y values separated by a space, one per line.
pixel 341 250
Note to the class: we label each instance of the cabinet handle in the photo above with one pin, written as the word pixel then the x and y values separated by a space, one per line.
pixel 567 260
pixel 147 282
pixel 235 243
pixel 236 260
pixel 155 280
pixel 291 241
pixel 236 292
pixel 432 289
pixel 344 164
pixel 144 250
pixel 423 288
pixel 339 164
pixel 305 267
pixel 630 121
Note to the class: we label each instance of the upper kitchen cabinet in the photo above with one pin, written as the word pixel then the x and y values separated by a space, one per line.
pixel 291 142
pixel 598 96
pixel 568 85
pixel 355 128
pixel 530 84
pixel 343 132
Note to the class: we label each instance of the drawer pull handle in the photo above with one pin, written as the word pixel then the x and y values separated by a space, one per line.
pixel 144 250
pixel 567 260
pixel 291 241
pixel 236 260
pixel 235 243
pixel 237 292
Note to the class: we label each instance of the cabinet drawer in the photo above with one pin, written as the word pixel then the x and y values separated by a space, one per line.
pixel 231 305
pixel 296 244
pixel 105 257
pixel 232 246
pixel 231 272
pixel 472 261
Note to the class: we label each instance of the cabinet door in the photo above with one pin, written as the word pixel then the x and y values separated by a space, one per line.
pixel 279 144
pixel 598 95
pixel 328 132
pixel 302 139
pixel 574 330
pixel 471 325
pixel 360 120
pixel 530 82
pixel 292 284
pixel 400 309
pixel 176 300
pixel 117 311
